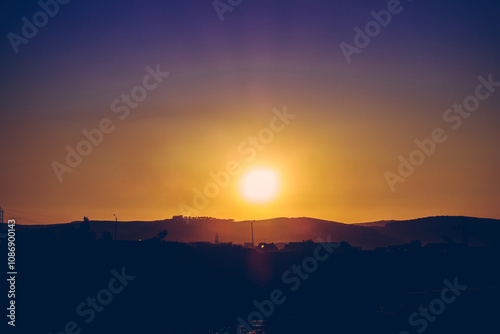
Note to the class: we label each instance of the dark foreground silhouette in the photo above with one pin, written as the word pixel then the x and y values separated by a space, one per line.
pixel 80 285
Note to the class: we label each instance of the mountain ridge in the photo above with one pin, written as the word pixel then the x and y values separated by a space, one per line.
pixel 433 229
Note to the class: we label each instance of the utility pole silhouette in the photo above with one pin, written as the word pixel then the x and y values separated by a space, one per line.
pixel 251 225
pixel 1 219
pixel 116 224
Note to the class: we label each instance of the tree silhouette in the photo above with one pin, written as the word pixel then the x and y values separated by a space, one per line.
pixel 85 234
pixel 78 232
pixel 162 234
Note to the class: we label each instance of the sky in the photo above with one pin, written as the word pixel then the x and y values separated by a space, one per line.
pixel 172 92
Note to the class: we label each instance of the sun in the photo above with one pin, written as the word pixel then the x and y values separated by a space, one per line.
pixel 259 185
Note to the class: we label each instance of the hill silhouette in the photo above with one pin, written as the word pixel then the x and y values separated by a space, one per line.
pixel 480 231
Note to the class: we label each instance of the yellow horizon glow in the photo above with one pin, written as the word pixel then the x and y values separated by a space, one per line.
pixel 331 161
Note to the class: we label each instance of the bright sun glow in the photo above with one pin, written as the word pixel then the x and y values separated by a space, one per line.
pixel 260 185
